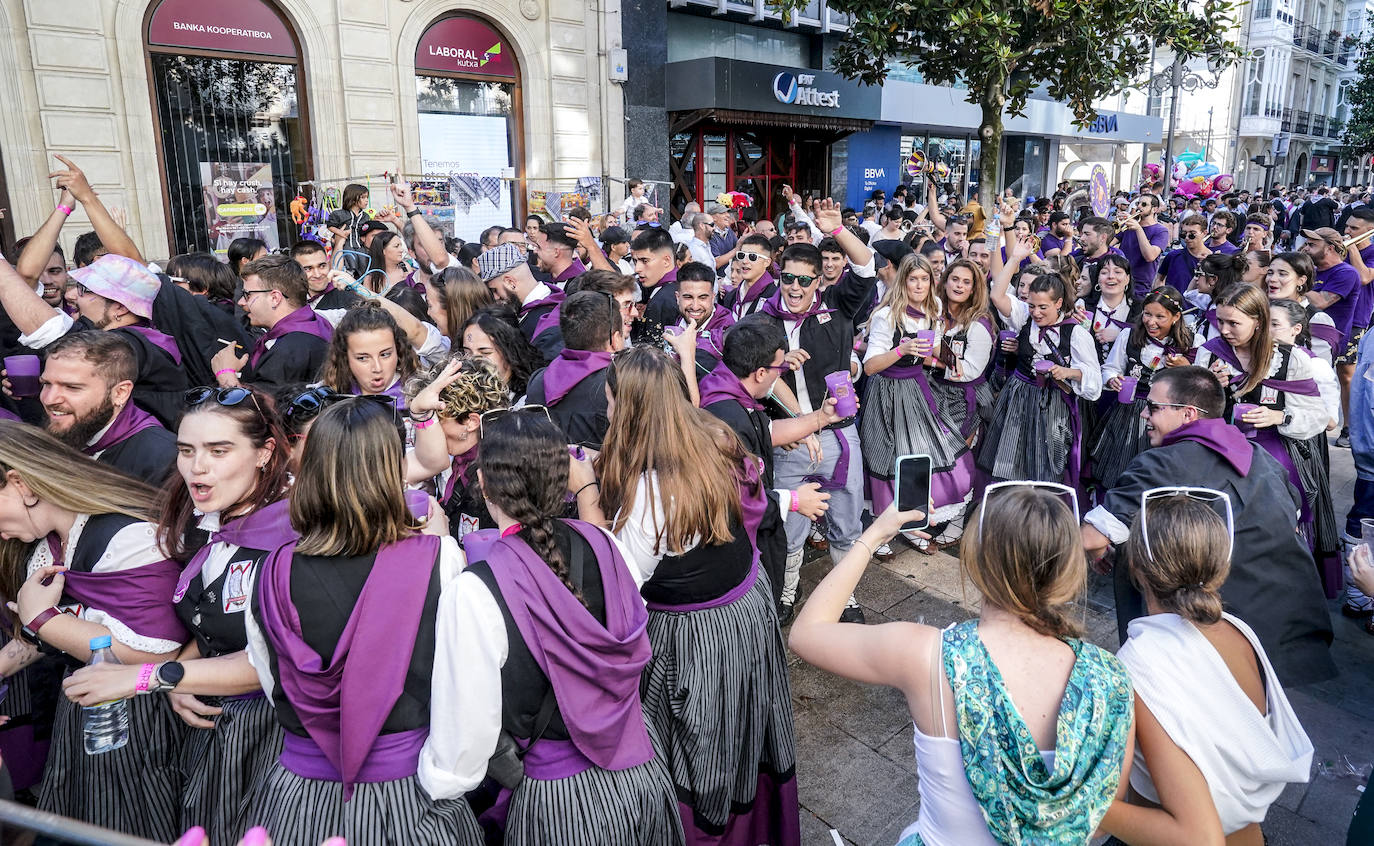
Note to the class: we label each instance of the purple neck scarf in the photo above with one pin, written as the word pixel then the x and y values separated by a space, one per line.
pixel 757 289
pixel 266 528
pixel 711 337
pixel 722 384
pixel 572 271
pixel 773 306
pixel 1220 437
pixel 569 369
pixel 555 297
pixel 303 319
pixel 396 390
pixel 138 598
pixel 594 669
pixel 128 422
pixel 343 703
pixel 161 340
pixel 1224 351
pixel 461 465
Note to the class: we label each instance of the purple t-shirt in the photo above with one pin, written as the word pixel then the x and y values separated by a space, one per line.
pixel 1143 272
pixel 1051 242
pixel 1226 248
pixel 1344 280
pixel 1178 268
pixel 1365 305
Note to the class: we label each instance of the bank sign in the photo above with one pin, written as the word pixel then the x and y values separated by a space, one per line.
pixel 465 45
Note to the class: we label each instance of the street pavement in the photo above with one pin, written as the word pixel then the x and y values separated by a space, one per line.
pixel 856 771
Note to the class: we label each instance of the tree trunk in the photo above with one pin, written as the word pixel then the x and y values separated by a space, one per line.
pixel 989 155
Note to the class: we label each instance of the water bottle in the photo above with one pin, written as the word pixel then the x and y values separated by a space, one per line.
pixel 105 726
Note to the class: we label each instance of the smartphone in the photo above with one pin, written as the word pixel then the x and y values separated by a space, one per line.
pixel 911 479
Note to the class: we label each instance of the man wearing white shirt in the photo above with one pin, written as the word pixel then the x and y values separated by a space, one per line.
pixel 699 242
pixel 681 230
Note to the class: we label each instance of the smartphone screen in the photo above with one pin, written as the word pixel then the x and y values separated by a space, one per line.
pixel 911 478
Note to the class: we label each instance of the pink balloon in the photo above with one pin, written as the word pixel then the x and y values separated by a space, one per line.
pixel 1187 188
pixel 1223 182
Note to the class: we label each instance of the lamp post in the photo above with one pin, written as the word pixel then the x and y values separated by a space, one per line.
pixel 1176 78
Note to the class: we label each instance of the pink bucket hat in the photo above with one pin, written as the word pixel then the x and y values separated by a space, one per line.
pixel 123 280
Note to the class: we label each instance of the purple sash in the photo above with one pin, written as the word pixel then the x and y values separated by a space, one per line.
pixel 594 669
pixel 396 390
pixel 128 422
pixel 303 319
pixel 392 757
pixel 722 384
pixel 458 472
pixel 711 337
pixel 1220 437
pixel 344 703
pixel 1303 387
pixel 161 340
pixel 572 271
pixel 773 306
pixel 569 369
pixel 267 528
pixel 917 372
pixel 838 479
pixel 755 291
pixel 138 598
pixel 1326 332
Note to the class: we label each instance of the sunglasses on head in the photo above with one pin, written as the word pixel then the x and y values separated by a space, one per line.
pixel 1216 500
pixel 743 256
pixel 1063 492
pixel 797 279
pixel 227 397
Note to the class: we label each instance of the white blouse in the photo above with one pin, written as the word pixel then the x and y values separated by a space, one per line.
pixel 1082 350
pixel 1308 415
pixel 132 547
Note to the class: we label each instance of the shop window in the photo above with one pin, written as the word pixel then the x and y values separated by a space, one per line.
pixel 232 122
pixel 467 90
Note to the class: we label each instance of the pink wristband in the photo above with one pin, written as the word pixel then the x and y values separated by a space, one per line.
pixel 145 674
pixel 66 210
pixel 832 232
pixel 796 502
pixel 425 424
pixel 219 373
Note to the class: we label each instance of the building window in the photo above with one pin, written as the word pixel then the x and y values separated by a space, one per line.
pixel 1254 88
pixel 467 89
pixel 695 37
pixel 231 121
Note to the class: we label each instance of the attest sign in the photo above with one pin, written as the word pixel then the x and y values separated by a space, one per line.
pixel 465 45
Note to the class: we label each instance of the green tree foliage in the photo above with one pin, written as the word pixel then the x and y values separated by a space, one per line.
pixel 1080 50
pixel 1359 126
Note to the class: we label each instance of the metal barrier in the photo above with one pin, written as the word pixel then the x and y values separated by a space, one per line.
pixel 62 829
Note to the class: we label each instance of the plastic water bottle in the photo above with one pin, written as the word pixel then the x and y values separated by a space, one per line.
pixel 105 726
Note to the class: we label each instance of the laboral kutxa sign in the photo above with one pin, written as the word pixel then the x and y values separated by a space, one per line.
pixel 465 45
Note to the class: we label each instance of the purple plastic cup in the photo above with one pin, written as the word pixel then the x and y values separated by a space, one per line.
pixel 846 405
pixel 22 371
pixel 1126 393
pixel 927 337
pixel 1042 371
pixel 1238 412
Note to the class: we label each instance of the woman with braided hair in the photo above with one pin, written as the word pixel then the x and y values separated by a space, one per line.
pixel 548 638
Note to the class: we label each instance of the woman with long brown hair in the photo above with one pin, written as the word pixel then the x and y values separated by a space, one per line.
pixel 232 475
pixel 370 355
pixel 1281 408
pixel 454 295
pixel 686 501
pixel 362 586
pixel 80 560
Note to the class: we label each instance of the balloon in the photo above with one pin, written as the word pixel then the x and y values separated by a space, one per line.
pixel 1205 191
pixel 1187 188
pixel 1180 170
pixel 1189 157
pixel 1224 182
pixel 1204 169
pixel 1152 171
pixel 1200 180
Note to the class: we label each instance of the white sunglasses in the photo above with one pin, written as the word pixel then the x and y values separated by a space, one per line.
pixel 1064 492
pixel 1207 495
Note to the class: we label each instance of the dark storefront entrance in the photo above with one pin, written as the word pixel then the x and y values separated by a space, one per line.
pixel 751 127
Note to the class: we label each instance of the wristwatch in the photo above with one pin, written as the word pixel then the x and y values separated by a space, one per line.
pixel 413 213
pixel 167 676
pixel 31 630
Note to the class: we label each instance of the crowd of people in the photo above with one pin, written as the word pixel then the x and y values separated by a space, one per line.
pixel 402 539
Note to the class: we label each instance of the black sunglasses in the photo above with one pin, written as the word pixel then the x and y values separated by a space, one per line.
pixel 227 397
pixel 308 405
pixel 797 279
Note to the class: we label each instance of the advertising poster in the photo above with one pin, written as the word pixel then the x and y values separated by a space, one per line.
pixel 240 202
pixel 473 153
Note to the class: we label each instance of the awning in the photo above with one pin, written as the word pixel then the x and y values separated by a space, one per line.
pixel 682 121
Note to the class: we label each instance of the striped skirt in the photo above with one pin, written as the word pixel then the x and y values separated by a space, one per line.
pixel 225 767
pixel 135 789
pixel 717 696
pixel 596 807
pixel 899 421
pixel 1120 438
pixel 953 404
pixel 300 811
pixel 1030 435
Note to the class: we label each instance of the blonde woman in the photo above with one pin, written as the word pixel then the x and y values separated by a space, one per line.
pixel 81 558
pixel 901 415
